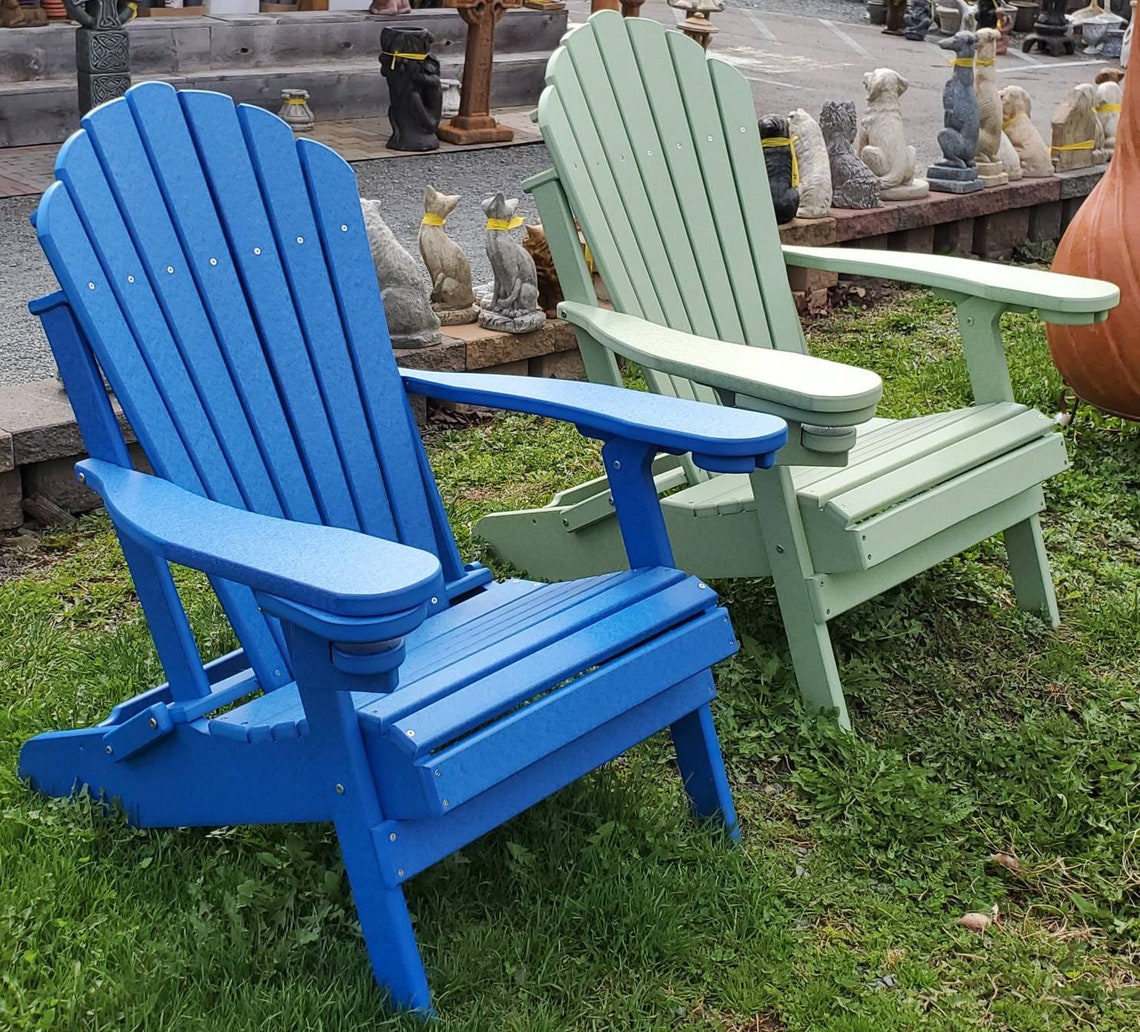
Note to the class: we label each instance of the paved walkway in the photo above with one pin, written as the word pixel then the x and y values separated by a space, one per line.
pixel 28 170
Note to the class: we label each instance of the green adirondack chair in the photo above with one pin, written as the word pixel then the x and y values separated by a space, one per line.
pixel 657 156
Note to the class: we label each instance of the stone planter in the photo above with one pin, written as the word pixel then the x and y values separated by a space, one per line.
pixel 877 11
pixel 949 19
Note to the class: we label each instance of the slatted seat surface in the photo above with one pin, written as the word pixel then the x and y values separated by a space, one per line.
pixel 473 669
pixel 905 480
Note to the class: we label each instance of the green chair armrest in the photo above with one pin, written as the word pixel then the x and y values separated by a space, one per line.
pixel 1056 297
pixel 788 384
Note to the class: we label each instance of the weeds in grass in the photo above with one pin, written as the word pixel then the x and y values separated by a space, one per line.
pixel 981 733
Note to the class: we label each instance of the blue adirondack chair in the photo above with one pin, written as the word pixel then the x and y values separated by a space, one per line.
pixel 218 272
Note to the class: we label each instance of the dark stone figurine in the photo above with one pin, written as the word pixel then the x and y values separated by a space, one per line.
pixel 415 98
pixel 102 50
pixel 956 172
pixel 987 16
pixel 853 184
pixel 917 20
pixel 775 138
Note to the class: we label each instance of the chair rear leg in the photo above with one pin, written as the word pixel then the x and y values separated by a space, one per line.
pixel 1029 564
pixel 385 921
pixel 702 768
pixel 809 641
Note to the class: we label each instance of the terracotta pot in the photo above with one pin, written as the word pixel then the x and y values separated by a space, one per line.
pixel 54 9
pixel 1102 363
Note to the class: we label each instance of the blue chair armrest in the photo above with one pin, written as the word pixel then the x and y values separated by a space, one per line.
pixel 311 570
pixel 721 439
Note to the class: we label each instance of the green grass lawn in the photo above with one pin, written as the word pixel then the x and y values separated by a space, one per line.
pixel 981 734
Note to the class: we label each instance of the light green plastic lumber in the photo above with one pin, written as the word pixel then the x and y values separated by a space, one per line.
pixel 1056 297
pixel 795 386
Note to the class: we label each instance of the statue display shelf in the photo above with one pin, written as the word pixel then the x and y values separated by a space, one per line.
pixel 1101 362
pixel 1051 33
pixel 474 123
pixel 102 50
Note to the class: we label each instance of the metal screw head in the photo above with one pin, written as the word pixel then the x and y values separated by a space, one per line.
pixel 213 261
pixel 344 229
pixel 90 286
pixel 780 549
pixel 434 601
pixel 446 804
pixel 436 772
pixel 170 269
pixel 300 240
pixel 109 750
pixel 617 463
pixel 391 836
pixel 257 250
pixel 400 872
pixel 82 478
pixel 130 279
pixel 339 788
pixel 153 722
pixel 410 733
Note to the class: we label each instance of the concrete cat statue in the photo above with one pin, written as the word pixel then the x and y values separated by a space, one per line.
pixel 448 267
pixel 403 286
pixel 513 305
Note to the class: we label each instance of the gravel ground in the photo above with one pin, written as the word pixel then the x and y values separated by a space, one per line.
pixel 833 10
pixel 398 183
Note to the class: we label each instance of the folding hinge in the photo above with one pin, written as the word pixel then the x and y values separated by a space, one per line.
pixel 142 730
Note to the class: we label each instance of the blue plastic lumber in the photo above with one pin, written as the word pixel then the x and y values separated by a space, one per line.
pixel 338 571
pixel 436 667
pixel 718 438
pixel 702 768
pixel 420 843
pixel 492 754
pixel 173 640
pixel 571 646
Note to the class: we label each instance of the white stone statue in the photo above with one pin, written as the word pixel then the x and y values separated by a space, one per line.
pixel 447 265
pixel 1108 98
pixel 814 166
pixel 990 169
pixel 1007 155
pixel 1031 149
pixel 881 144
pixel 403 286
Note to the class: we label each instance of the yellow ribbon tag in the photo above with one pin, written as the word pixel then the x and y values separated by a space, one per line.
pixel 962 62
pixel 295 100
pixel 1083 145
pixel 432 220
pixel 501 224
pixel 783 141
pixel 985 62
pixel 1005 125
pixel 1106 109
pixel 589 258
pixel 398 54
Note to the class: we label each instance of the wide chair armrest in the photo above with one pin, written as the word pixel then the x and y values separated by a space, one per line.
pixel 340 584
pixel 1056 297
pixel 788 384
pixel 720 439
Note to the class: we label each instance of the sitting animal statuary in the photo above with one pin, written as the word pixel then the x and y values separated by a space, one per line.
pixel 1109 95
pixel 958 140
pixel 1078 139
pixel 990 169
pixel 411 321
pixel 896 14
pixel 549 289
pixel 986 16
pixel 881 144
pixel 814 165
pixel 1031 149
pixel 917 20
pixel 513 304
pixel 780 161
pixel 969 16
pixel 447 265
pixel 415 98
pixel 13 16
pixel 853 184
pixel 1007 155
